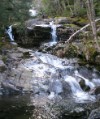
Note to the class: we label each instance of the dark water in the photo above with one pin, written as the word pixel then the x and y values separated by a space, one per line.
pixel 16 107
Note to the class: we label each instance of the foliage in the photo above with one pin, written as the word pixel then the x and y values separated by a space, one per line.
pixel 12 11
pixel 65 7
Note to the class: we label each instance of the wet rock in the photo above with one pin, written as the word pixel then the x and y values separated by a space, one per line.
pixel 77 113
pixel 63 33
pixel 97 90
pixel 95 114
pixel 83 85
pixel 85 72
pixel 66 90
pixel 33 34
pixel 10 88
pixel 46 48
pixel 15 56
pixel 2 66
pixel 22 50
pixel 56 87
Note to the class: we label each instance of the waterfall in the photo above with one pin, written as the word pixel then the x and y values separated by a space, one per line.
pixel 77 91
pixel 87 82
pixel 53 33
pixel 33 12
pixel 9 32
pixel 61 71
pixel 58 68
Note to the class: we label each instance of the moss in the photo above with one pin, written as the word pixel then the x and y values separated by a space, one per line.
pixel 4 59
pixel 90 52
pixel 70 51
pixel 71 25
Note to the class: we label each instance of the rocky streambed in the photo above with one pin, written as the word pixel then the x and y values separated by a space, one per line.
pixel 58 88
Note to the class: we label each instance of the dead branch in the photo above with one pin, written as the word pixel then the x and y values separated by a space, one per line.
pixel 74 34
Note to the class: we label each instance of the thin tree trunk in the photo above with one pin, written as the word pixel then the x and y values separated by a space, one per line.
pixel 91 16
pixel 72 13
pixel 77 6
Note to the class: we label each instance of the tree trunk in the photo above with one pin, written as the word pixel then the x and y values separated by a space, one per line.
pixel 91 17
pixel 71 11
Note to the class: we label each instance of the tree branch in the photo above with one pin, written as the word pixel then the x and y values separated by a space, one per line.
pixel 71 37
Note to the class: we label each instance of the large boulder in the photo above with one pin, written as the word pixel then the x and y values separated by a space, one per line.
pixel 64 32
pixel 32 36
pixel 83 85
pixel 95 114
pixel 77 113
pixel 33 33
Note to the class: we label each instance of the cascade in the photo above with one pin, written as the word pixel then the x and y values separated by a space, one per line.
pixel 87 82
pixel 77 91
pixel 72 79
pixel 9 32
pixel 53 32
pixel 33 12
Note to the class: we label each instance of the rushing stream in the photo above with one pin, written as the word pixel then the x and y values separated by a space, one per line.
pixel 72 79
pixel 48 74
pixel 55 70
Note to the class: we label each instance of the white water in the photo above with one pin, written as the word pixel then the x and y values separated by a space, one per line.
pixel 51 63
pixel 87 82
pixel 54 61
pixel 53 33
pixel 33 12
pixel 9 32
pixel 78 93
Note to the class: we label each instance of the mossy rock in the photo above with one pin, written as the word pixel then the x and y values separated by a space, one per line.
pixel 79 21
pixel 70 51
pixel 90 52
pixel 72 26
pixel 84 86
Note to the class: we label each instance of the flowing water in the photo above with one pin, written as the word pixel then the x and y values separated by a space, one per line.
pixel 18 107
pixel 73 78
pixel 9 32
pixel 33 12
pixel 53 27
pixel 53 32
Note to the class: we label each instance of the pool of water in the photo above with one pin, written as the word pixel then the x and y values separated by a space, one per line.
pixel 15 107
